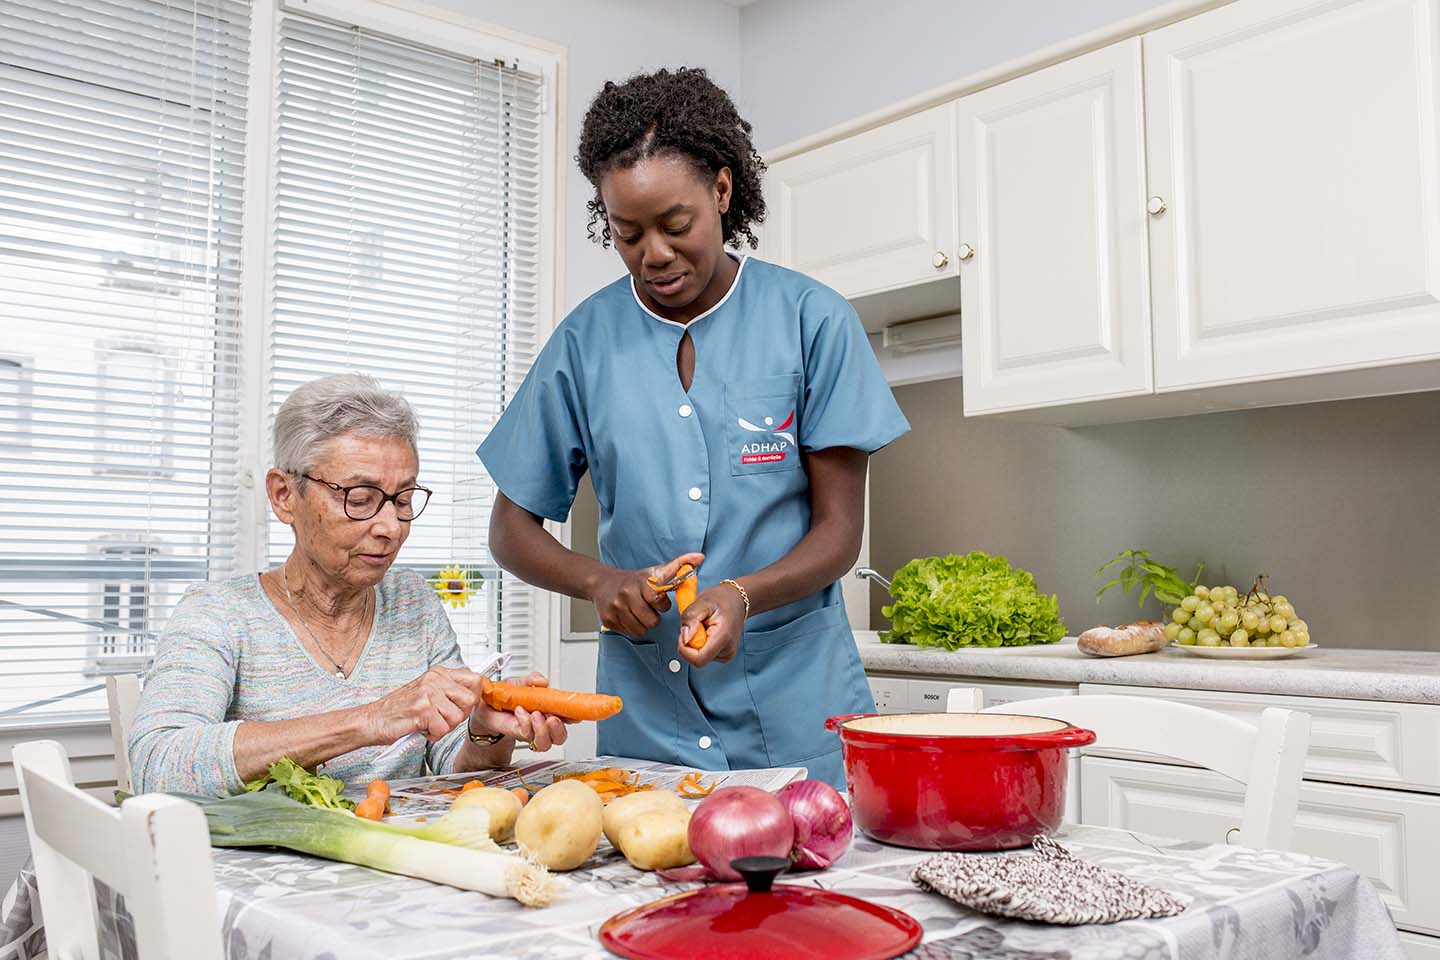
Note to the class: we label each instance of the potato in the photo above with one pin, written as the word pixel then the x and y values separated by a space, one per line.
pixel 622 809
pixel 561 824
pixel 656 839
pixel 502 805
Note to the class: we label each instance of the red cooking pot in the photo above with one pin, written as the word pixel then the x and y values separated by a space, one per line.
pixel 956 781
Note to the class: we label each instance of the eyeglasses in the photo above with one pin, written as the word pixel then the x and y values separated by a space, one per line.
pixel 363 501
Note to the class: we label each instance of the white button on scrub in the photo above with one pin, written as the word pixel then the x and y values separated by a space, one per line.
pixel 705 743
pixel 674 666
pixel 685 410
pixel 694 493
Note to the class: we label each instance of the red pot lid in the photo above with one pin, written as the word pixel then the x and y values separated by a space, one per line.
pixel 731 921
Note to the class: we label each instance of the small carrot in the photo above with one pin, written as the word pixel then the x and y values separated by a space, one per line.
pixel 684 596
pixel 565 704
pixel 521 794
pixel 379 789
pixel 471 785
pixel 371 808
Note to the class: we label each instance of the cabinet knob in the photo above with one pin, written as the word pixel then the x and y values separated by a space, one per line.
pixel 940 260
pixel 1156 206
pixel 965 251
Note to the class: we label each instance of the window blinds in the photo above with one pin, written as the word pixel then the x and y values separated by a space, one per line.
pixel 122 126
pixel 406 246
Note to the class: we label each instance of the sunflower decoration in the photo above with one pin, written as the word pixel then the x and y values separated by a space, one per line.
pixel 456 585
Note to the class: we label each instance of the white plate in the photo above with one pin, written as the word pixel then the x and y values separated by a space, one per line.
pixel 1244 653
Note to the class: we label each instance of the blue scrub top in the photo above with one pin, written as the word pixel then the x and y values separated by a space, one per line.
pixel 782 365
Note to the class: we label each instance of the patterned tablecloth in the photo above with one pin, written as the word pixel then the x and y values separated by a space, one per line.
pixel 1246 904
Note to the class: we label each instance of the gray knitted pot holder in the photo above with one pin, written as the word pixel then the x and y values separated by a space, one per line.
pixel 1052 887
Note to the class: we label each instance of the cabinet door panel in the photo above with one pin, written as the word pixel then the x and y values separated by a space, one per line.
pixel 869 213
pixel 1294 145
pixel 1054 300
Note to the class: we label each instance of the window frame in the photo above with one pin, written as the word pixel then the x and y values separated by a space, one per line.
pixel 442 30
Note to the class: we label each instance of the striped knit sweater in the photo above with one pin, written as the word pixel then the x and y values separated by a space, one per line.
pixel 227 656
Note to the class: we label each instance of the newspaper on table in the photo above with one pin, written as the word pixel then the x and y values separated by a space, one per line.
pixel 422 798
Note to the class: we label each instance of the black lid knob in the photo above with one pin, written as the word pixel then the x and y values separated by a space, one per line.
pixel 759 872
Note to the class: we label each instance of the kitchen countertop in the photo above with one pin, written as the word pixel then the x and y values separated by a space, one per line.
pixel 1394 676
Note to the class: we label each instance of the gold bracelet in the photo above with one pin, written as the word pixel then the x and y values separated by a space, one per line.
pixel 743 595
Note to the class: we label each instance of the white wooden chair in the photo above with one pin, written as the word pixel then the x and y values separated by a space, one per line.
pixel 122 691
pixel 154 851
pixel 1267 759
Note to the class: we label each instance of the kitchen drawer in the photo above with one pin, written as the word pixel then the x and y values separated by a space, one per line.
pixel 1351 741
pixel 1420 947
pixel 1387 835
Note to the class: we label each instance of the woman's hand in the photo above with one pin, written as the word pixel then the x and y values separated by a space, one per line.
pixel 539 730
pixel 627 603
pixel 434 703
pixel 722 610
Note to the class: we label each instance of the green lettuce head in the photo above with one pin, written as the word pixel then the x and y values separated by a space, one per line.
pixel 974 600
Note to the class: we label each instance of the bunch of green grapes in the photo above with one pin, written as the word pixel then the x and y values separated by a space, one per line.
pixel 1222 616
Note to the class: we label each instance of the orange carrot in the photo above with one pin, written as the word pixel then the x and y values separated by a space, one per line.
pixel 471 785
pixel 564 704
pixel 684 596
pixel 521 794
pixel 378 788
pixel 371 808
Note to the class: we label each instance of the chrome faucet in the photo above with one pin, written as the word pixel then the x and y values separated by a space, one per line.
pixel 865 573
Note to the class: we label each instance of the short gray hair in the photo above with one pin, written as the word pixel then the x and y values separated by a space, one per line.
pixel 321 410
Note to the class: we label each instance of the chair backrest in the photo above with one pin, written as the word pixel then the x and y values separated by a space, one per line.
pixel 1268 758
pixel 154 850
pixel 122 691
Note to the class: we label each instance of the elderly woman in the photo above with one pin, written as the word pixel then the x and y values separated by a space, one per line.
pixel 331 657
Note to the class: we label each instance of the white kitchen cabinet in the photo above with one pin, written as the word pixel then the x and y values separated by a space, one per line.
pixel 1365 742
pixel 1374 831
pixel 871 213
pixel 1054 287
pixel 1292 154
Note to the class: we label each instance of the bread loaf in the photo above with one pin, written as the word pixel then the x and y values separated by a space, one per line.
pixel 1146 636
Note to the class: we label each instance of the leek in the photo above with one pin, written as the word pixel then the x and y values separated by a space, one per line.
pixel 455 850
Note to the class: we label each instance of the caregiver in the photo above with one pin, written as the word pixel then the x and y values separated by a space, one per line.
pixel 725 409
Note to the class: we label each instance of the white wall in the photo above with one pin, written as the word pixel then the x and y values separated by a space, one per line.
pixel 808 65
pixel 610 40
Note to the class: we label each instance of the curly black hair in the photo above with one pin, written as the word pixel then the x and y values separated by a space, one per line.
pixel 680 113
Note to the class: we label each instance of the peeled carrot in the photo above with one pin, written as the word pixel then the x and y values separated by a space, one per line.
pixel 371 808
pixel 684 596
pixel 521 794
pixel 472 785
pixel 565 704
pixel 378 788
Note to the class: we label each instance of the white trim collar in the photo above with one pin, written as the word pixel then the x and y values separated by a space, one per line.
pixel 741 259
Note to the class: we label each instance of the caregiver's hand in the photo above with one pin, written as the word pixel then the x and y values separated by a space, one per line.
pixel 625 601
pixel 722 610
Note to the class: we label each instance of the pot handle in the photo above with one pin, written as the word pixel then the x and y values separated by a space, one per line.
pixel 1069 737
pixel 833 724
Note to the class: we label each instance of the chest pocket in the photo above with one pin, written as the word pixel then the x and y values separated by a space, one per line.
pixel 762 424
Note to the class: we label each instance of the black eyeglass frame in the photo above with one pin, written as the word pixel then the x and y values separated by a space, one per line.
pixel 384 497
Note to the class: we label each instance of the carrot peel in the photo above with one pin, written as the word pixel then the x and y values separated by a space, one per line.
pixel 565 704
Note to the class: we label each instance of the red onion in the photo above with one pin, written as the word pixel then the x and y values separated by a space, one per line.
pixel 823 828
pixel 739 822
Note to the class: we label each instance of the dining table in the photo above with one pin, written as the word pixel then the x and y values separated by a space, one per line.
pixel 1244 904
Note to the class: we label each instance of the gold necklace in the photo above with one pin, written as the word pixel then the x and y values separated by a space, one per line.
pixel 340 665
